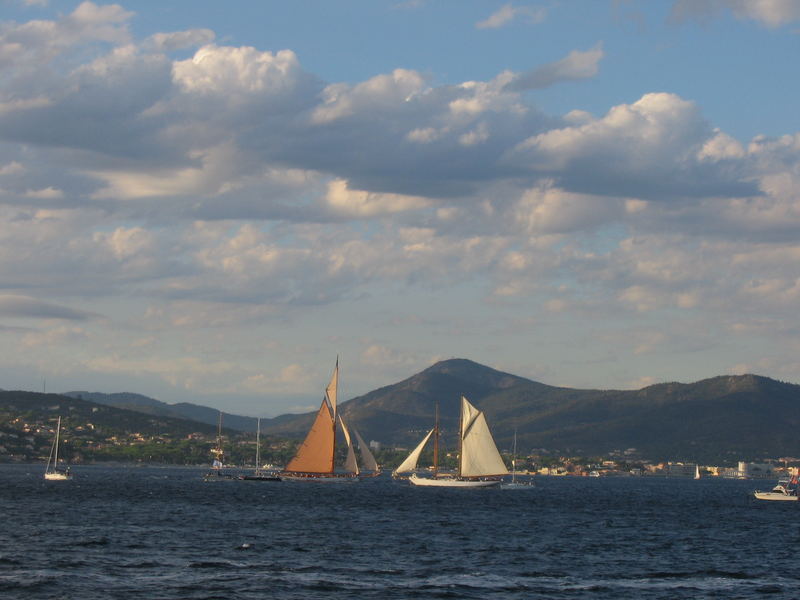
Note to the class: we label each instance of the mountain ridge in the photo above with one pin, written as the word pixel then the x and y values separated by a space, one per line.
pixel 714 417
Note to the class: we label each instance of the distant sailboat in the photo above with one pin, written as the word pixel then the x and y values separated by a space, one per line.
pixel 697 471
pixel 258 474
pixel 314 460
pixel 514 484
pixel 479 462
pixel 52 472
pixel 218 462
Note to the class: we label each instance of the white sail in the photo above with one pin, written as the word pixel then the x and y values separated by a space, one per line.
pixel 53 473
pixel 410 463
pixel 350 463
pixel 367 459
pixel 332 390
pixel 479 454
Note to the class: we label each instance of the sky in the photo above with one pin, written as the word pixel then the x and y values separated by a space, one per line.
pixel 210 202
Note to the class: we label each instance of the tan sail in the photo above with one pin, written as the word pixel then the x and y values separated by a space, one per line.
pixel 479 454
pixel 315 455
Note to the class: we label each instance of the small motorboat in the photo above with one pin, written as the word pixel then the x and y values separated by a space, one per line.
pixel 785 490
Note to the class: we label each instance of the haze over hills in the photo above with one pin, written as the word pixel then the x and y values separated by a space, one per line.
pixel 721 418
pixel 181 410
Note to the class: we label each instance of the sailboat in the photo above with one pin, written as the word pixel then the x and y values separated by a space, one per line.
pixel 479 462
pixel 314 460
pixel 697 471
pixel 259 474
pixel 54 473
pixel 514 484
pixel 217 473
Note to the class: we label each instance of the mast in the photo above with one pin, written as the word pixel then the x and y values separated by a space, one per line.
pixel 436 442
pixel 461 438
pixel 514 459
pixel 217 452
pixel 58 431
pixel 333 400
pixel 258 445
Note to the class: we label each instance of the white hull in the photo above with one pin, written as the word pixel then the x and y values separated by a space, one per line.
pixel 780 496
pixel 57 477
pixel 450 482
pixel 516 486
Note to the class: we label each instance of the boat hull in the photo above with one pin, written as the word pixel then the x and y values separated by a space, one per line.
pixel 261 478
pixel 319 478
pixel 452 482
pixel 516 486
pixel 779 496
pixel 57 476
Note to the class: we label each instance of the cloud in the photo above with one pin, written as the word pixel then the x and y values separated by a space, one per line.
pixel 771 13
pixel 646 150
pixel 575 66
pixel 26 307
pixel 178 40
pixel 358 203
pixel 508 13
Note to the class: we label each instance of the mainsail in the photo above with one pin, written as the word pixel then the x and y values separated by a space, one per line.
pixel 315 454
pixel 479 454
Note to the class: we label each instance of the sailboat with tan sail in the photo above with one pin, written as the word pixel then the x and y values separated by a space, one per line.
pixel 479 461
pixel 315 458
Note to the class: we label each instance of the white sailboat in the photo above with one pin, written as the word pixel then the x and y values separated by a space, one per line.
pixel 52 472
pixel 258 473
pixel 314 460
pixel 479 462
pixel 697 471
pixel 514 484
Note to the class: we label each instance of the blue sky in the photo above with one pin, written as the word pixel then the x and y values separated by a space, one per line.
pixel 209 204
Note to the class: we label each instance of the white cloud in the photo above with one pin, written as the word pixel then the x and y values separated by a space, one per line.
pixel 771 13
pixel 576 65
pixel 49 193
pixel 359 203
pixel 646 150
pixel 382 91
pixel 508 13
pixel 177 40
pixel 546 209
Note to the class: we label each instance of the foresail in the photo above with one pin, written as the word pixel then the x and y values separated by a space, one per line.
pixel 350 463
pixel 315 454
pixel 479 454
pixel 367 459
pixel 410 463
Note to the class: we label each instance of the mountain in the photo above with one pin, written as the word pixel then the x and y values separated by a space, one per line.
pixel 38 407
pixel 181 410
pixel 719 419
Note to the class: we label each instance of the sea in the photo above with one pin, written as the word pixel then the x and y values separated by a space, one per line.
pixel 163 533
